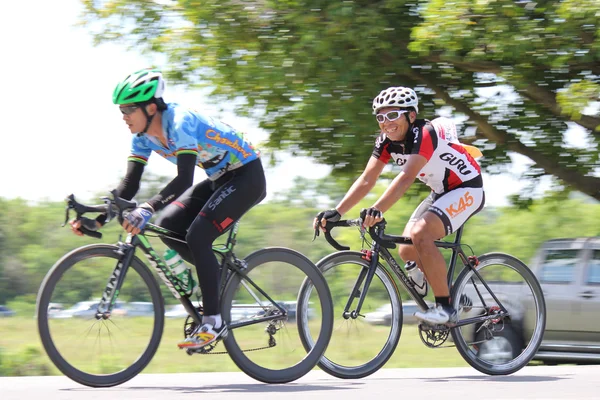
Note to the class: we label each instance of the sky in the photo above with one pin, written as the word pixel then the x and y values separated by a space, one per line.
pixel 63 135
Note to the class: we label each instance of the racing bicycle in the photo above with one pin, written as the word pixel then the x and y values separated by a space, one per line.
pixel 101 341
pixel 500 304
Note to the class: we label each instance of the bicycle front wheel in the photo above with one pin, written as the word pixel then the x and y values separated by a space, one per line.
pixel 502 345
pixel 363 342
pixel 99 350
pixel 263 340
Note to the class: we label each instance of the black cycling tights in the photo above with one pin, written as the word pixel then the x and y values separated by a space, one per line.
pixel 205 212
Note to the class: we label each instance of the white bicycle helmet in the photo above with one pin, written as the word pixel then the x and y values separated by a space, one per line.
pixel 396 97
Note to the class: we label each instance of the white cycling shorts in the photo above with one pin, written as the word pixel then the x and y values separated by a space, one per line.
pixel 454 208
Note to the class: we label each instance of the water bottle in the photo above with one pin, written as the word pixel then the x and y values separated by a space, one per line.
pixel 182 272
pixel 417 277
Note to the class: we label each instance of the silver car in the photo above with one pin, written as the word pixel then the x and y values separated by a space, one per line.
pixel 569 273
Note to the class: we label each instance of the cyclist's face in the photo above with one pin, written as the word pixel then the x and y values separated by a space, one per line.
pixel 396 129
pixel 134 117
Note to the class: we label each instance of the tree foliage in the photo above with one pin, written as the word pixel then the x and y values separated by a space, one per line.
pixel 519 72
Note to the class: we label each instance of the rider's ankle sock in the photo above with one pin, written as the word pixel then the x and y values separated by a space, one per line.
pixel 443 301
pixel 218 321
pixel 214 320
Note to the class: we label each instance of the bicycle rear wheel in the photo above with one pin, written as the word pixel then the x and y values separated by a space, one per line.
pixel 271 351
pixel 360 344
pixel 99 350
pixel 503 345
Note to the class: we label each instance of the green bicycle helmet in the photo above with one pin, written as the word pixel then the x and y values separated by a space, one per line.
pixel 140 87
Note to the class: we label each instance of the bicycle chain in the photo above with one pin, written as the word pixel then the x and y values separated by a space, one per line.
pixel 272 343
pixel 244 351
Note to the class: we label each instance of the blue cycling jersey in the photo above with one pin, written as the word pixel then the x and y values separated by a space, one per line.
pixel 219 147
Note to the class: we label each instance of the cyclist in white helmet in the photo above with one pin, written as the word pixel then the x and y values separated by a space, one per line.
pixel 430 151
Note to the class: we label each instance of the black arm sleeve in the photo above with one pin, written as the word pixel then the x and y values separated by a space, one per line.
pixel 186 163
pixel 130 184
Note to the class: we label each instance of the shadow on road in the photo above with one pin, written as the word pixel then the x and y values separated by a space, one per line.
pixel 486 378
pixel 508 378
pixel 236 388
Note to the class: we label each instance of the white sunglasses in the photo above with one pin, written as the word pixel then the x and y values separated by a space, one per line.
pixel 390 115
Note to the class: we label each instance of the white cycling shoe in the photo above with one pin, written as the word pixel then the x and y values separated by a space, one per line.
pixel 438 315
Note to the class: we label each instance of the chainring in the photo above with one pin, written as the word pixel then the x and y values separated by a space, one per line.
pixel 433 335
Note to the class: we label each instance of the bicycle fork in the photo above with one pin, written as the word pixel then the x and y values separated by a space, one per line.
pixel 373 257
pixel 113 286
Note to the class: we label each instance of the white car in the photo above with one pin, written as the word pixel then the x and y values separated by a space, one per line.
pixel 383 315
pixel 87 309
pixel 176 311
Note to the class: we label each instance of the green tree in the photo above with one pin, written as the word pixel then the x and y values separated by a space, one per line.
pixel 520 72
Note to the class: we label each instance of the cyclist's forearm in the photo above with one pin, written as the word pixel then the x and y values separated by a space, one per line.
pixel 360 188
pixel 186 164
pixel 130 184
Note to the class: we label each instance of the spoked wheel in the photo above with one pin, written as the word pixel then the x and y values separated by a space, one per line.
pixel 264 339
pixel 361 343
pixel 506 343
pixel 99 349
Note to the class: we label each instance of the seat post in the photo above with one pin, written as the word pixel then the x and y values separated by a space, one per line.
pixel 453 258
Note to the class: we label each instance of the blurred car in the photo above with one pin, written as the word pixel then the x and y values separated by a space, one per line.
pixel 245 311
pixel 139 309
pixel 88 309
pixel 383 315
pixel 54 309
pixel 569 274
pixel 176 311
pixel 290 306
pixel 6 312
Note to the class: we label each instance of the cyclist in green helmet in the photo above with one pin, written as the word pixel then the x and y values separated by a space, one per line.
pixel 139 90
pixel 235 183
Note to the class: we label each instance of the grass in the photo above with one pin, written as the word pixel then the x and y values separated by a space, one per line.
pixel 18 336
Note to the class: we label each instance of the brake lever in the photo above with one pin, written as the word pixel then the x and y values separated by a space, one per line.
pixel 70 198
pixel 317 228
pixel 66 216
pixel 110 212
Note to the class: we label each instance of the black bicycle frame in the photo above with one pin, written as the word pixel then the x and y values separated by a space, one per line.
pixel 378 250
pixel 230 264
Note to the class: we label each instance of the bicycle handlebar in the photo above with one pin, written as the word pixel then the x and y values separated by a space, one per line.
pixel 376 232
pixel 330 225
pixel 112 208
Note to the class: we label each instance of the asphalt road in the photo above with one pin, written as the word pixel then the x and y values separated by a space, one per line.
pixel 540 382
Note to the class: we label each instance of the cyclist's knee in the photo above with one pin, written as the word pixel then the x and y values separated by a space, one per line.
pixel 421 234
pixel 201 232
pixel 169 219
pixel 163 221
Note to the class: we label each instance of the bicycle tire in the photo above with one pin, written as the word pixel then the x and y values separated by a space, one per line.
pixel 462 342
pixel 252 369
pixel 359 371
pixel 44 295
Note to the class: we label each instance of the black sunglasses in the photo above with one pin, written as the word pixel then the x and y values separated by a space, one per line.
pixel 126 110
